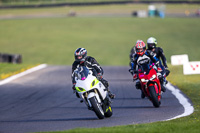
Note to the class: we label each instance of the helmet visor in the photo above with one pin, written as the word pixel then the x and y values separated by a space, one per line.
pixel 79 57
pixel 139 50
pixel 151 46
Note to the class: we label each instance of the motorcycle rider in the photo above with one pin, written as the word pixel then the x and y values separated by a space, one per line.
pixel 131 55
pixel 81 59
pixel 142 56
pixel 132 52
pixel 158 51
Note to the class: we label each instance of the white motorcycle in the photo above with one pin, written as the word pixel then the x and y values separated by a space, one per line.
pixel 92 92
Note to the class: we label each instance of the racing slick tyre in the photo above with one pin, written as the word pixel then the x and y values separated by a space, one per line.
pixel 108 112
pixel 97 108
pixel 154 96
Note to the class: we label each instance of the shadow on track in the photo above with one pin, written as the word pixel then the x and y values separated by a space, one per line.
pixel 48 120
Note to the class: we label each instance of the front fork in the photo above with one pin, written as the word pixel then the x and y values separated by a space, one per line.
pixel 146 90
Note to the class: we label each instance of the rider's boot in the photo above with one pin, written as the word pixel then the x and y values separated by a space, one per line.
pixel 163 89
pixel 111 95
pixel 105 83
pixel 166 82
pixel 162 82
pixel 77 95
pixel 163 86
pixel 138 86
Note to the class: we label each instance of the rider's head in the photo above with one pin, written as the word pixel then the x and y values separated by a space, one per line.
pixel 151 43
pixel 80 54
pixel 140 47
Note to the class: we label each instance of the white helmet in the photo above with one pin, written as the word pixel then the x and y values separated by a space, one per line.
pixel 151 43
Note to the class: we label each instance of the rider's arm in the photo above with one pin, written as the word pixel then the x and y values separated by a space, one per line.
pixel 134 63
pixel 91 62
pixel 74 66
pixel 132 60
pixel 133 69
pixel 161 53
pixel 132 53
pixel 153 58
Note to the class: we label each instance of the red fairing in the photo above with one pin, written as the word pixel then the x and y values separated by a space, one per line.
pixel 148 80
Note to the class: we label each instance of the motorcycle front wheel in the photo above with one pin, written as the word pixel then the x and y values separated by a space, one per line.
pixel 154 96
pixel 97 108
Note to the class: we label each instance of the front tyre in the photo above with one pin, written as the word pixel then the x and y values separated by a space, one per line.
pixel 97 108
pixel 154 96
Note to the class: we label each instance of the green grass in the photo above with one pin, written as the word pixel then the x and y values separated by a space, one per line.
pixel 8 70
pixel 53 40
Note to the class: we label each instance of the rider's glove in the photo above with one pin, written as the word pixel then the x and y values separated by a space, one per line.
pixel 99 76
pixel 167 71
pixel 166 68
pixel 135 77
pixel 159 69
pixel 131 71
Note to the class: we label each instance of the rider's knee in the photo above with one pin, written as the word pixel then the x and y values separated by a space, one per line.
pixel 105 82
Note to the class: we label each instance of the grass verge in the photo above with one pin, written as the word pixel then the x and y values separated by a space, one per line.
pixel 8 70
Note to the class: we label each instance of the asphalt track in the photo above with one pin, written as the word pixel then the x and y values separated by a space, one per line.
pixel 43 101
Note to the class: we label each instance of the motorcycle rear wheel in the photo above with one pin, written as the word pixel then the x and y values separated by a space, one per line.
pixel 97 108
pixel 108 112
pixel 154 96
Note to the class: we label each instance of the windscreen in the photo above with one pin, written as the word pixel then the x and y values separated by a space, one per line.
pixel 82 73
pixel 144 68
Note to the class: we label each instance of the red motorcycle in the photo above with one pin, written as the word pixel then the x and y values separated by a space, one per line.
pixel 150 84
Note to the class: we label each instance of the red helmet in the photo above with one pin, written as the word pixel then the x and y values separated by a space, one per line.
pixel 140 47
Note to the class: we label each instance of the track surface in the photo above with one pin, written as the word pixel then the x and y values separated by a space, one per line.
pixel 43 101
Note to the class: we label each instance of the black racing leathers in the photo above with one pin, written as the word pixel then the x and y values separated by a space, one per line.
pixel 90 63
pixel 147 58
pixel 160 55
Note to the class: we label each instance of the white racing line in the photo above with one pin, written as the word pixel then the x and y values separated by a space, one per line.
pixel 7 80
pixel 188 108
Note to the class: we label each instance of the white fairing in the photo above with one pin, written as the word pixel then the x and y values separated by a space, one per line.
pixel 89 84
